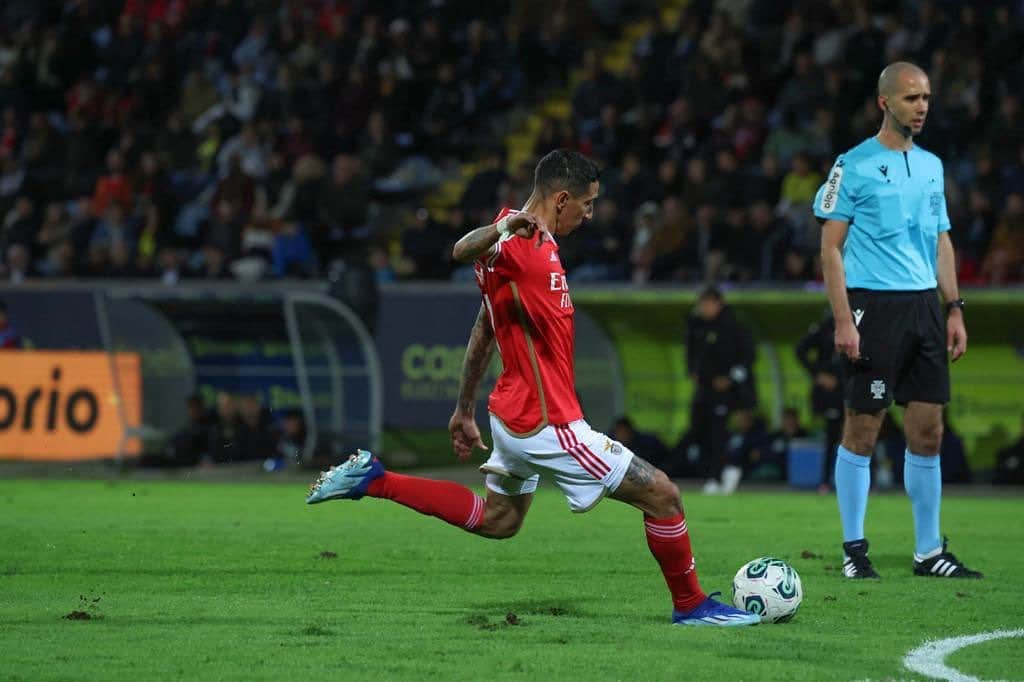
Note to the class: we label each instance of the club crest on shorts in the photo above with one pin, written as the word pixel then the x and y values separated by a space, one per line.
pixel 877 389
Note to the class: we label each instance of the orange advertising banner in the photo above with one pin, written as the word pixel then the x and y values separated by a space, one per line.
pixel 67 406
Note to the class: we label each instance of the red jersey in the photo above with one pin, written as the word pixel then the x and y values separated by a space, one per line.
pixel 527 298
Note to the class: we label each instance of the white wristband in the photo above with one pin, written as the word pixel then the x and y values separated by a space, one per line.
pixel 502 226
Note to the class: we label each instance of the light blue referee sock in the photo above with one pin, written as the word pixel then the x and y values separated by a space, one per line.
pixel 853 480
pixel 922 477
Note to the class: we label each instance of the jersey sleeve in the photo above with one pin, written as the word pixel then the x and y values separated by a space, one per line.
pixel 835 198
pixel 944 224
pixel 507 257
pixel 504 257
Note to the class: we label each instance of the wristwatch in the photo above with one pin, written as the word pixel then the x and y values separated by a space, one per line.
pixel 958 303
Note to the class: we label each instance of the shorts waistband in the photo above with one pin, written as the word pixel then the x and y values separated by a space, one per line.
pixel 892 292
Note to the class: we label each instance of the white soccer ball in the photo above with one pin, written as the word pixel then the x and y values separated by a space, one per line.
pixel 768 587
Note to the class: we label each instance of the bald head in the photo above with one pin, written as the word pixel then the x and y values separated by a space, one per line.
pixel 894 77
pixel 903 94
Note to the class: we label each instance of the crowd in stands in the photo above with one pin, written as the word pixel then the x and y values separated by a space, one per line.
pixel 254 139
pixel 723 128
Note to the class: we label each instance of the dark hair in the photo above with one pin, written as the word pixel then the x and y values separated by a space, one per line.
pixel 710 291
pixel 624 421
pixel 566 170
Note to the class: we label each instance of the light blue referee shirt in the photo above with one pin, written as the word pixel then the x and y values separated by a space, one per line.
pixel 895 203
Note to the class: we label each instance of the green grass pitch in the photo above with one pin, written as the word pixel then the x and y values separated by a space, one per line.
pixel 244 581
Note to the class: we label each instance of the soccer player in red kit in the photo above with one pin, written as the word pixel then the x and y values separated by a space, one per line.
pixel 536 421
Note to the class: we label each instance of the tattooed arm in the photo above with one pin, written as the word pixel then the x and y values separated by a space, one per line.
pixel 462 426
pixel 481 240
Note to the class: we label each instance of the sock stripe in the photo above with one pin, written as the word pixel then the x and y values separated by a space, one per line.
pixel 666 536
pixel 667 531
pixel 670 544
pixel 666 528
pixel 476 515
pixel 664 524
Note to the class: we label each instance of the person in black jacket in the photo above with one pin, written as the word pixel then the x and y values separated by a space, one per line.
pixel 1010 462
pixel 719 359
pixel 817 353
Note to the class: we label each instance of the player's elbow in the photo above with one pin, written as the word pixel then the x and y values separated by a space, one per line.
pixel 463 252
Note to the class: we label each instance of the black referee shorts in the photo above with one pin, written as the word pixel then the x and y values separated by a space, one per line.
pixel 902 348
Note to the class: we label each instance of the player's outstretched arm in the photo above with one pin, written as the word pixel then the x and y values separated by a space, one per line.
pixel 833 236
pixel 464 432
pixel 476 243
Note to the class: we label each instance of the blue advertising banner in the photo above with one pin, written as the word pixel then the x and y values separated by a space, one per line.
pixel 239 348
pixel 421 338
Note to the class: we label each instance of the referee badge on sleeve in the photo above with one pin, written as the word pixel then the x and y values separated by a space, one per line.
pixel 830 196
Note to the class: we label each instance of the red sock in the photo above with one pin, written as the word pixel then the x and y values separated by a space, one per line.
pixel 670 544
pixel 451 502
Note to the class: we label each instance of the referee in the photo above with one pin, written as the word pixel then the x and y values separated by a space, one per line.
pixel 884 248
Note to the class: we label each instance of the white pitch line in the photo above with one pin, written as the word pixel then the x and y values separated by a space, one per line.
pixel 929 658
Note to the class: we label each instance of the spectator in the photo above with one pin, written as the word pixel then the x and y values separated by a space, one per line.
pixel 954 464
pixel 788 139
pixel 344 206
pixel 641 443
pixel 1010 462
pixel 249 151
pixel 112 188
pixel 749 449
pixel 1005 261
pixel 719 360
pixel 779 440
pixel 190 445
pixel 816 352
pixel 601 245
pixel 226 439
pixel 481 193
pixel 20 225
pixel 257 440
pixel 291 441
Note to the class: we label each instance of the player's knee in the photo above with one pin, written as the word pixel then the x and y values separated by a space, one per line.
pixel 925 440
pixel 860 441
pixel 863 446
pixel 500 528
pixel 665 496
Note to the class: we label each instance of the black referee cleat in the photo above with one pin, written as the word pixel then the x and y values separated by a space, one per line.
pixel 944 565
pixel 856 563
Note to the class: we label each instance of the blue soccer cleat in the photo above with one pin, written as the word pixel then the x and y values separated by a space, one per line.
pixel 347 481
pixel 715 614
